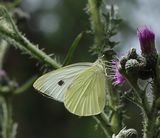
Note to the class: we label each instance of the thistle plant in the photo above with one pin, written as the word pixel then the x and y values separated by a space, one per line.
pixel 115 72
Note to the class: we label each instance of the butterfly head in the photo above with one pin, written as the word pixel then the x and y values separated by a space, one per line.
pixel 100 63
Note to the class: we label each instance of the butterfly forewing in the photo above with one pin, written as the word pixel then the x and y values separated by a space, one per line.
pixel 54 84
pixel 85 96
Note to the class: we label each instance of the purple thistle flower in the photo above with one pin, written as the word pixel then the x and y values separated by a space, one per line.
pixel 115 75
pixel 147 39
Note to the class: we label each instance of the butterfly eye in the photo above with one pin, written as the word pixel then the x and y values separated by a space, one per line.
pixel 61 82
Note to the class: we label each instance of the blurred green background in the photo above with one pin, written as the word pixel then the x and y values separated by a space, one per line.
pixel 53 24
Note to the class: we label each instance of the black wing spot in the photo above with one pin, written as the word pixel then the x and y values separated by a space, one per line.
pixel 61 82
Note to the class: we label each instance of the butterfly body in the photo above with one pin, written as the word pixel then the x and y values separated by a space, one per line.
pixel 80 86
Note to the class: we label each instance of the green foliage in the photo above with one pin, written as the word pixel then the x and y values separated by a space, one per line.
pixel 71 50
pixel 110 23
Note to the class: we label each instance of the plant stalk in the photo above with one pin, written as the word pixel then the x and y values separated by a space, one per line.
pixel 3 49
pixel 7 117
pixel 99 38
pixel 105 127
pixel 149 117
pixel 96 24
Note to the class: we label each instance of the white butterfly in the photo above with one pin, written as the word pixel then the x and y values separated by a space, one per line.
pixel 80 86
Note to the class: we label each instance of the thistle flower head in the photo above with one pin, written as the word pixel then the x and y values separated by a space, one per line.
pixel 147 39
pixel 115 75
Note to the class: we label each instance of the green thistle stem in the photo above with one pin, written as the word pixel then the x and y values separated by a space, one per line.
pixel 99 37
pixel 104 126
pixel 24 43
pixel 113 102
pixel 8 129
pixel 7 117
pixel 151 127
pixel 33 50
pixel 148 114
pixel 3 49
pixel 96 24
pixel 37 52
pixel 5 100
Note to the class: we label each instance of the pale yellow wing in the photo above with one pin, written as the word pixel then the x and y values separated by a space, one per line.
pixel 55 83
pixel 86 94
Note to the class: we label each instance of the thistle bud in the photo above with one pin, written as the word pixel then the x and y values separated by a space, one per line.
pixel 132 54
pixel 147 43
pixel 146 39
pixel 132 66
pixel 123 61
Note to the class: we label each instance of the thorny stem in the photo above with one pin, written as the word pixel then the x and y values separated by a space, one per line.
pixel 99 38
pixel 103 115
pixel 105 127
pixel 150 122
pixel 25 44
pixel 22 42
pixel 7 124
pixel 148 115
pixel 3 49
pixel 38 53
pixel 150 128
pixel 97 29
pixel 133 83
pixel 8 129
pixel 113 102
pixel 96 24
pixel 156 79
pixel 7 117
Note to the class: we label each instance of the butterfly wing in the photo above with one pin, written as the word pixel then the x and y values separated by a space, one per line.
pixel 55 83
pixel 86 94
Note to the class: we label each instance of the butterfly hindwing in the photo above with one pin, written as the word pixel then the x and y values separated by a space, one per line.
pixel 85 96
pixel 55 83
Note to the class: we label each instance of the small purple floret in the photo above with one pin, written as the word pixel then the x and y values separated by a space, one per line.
pixel 116 76
pixel 147 39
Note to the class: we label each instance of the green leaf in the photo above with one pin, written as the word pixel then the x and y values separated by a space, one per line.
pixel 72 49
